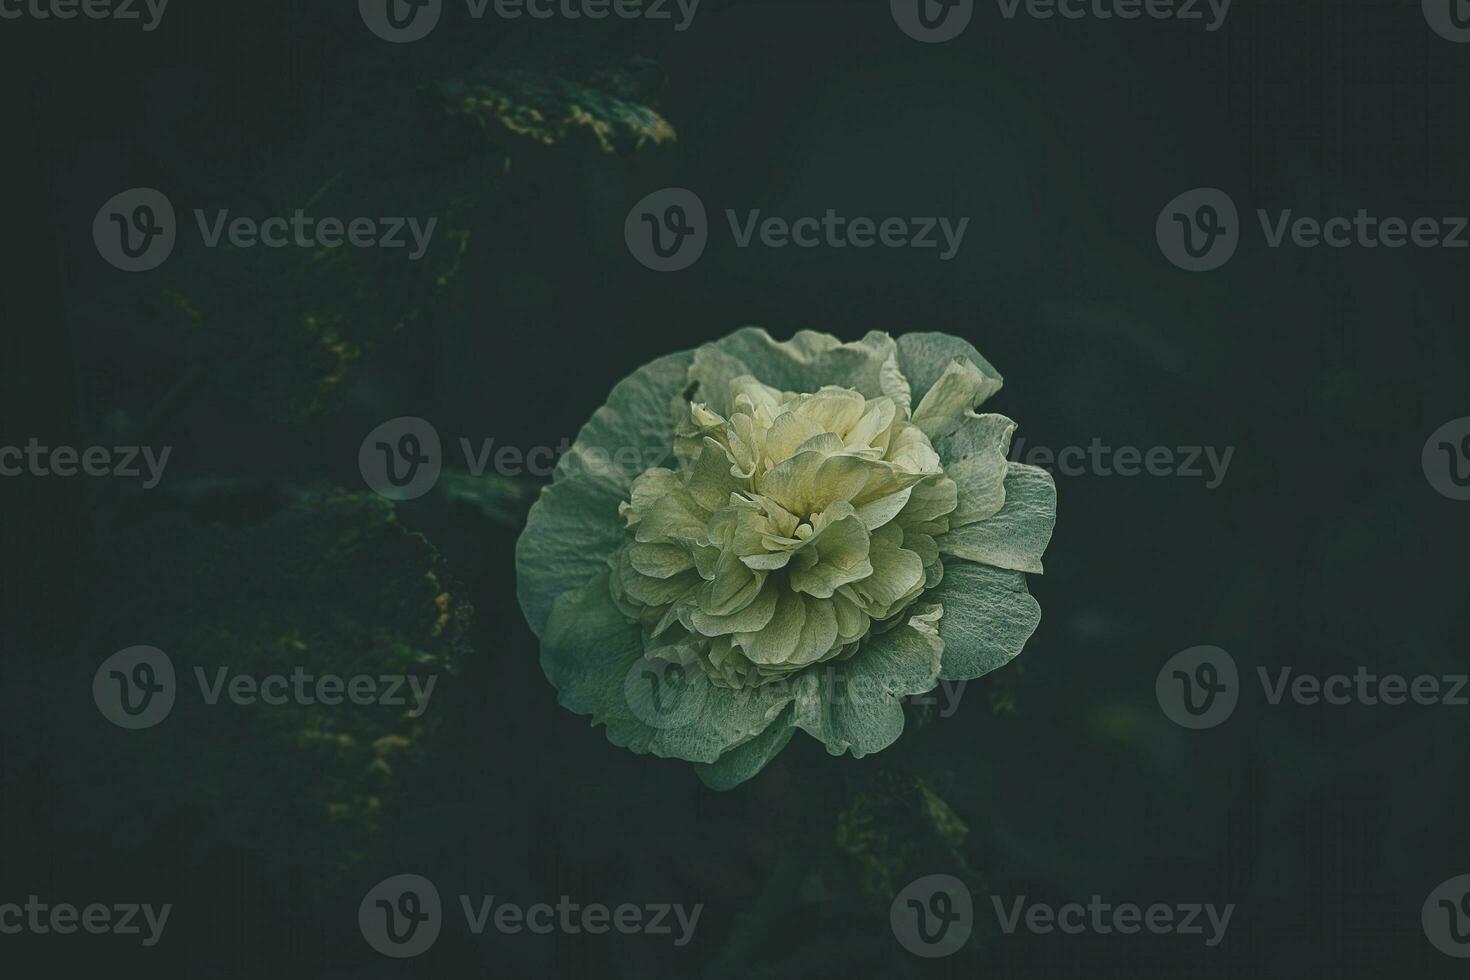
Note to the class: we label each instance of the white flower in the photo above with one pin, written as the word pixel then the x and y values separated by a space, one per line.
pixel 816 547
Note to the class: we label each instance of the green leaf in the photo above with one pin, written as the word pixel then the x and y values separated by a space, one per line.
pixel 550 109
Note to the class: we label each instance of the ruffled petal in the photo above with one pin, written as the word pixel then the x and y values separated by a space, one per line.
pixel 1019 532
pixel 855 706
pixel 746 760
pixel 594 657
pixel 988 617
pixel 810 360
pixel 924 357
pixel 975 458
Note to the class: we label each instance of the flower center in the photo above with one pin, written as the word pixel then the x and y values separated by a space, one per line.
pixel 786 534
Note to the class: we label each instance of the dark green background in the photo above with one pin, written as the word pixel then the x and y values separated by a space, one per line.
pixel 1324 549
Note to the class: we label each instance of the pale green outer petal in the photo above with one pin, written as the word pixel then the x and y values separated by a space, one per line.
pixel 744 761
pixel 974 457
pixel 978 433
pixel 861 712
pixel 574 526
pixel 732 718
pixel 924 357
pixel 945 406
pixel 713 370
pixel 988 617
pixel 1018 534
pixel 895 385
pixel 588 651
pixel 807 361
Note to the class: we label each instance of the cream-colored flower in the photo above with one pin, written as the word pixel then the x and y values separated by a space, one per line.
pixel 814 547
